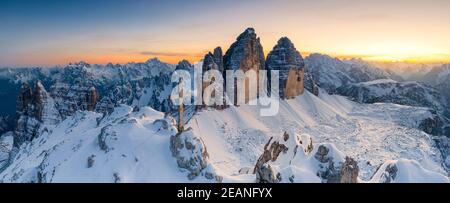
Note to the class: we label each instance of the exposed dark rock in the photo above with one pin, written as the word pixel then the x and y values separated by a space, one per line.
pixel 117 178
pixel 90 161
pixel 321 154
pixel 443 144
pixel 349 171
pixel 72 98
pixel 191 154
pixel 35 108
pixel 432 126
pixel 6 147
pixel 184 65
pixel 92 97
pixel 288 145
pixel 106 137
pixel 335 171
pixel 389 174
pixel 310 84
pixel 265 174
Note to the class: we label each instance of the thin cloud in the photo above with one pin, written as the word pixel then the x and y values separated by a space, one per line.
pixel 170 54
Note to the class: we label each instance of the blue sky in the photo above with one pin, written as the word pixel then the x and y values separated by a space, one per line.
pixel 48 32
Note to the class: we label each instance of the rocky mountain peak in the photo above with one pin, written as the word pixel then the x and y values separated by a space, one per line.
pixel 184 65
pixel 285 42
pixel 284 56
pixel 288 61
pixel 246 53
pixel 248 33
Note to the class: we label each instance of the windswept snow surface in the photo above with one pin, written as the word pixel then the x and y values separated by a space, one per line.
pixel 370 133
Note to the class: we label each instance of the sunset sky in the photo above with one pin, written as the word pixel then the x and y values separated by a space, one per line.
pixel 44 32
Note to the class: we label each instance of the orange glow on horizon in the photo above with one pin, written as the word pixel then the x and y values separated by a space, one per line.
pixel 137 58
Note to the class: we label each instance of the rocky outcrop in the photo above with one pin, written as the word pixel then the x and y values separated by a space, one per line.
pixel 443 144
pixel 191 154
pixel 432 125
pixel 123 94
pixel 388 173
pixel 245 54
pixel 280 152
pixel 349 171
pixel 213 61
pixel 333 169
pixel 35 110
pixel 71 98
pixel 6 147
pixel 288 61
pixel 310 84
pixel 168 123
pixel 106 137
pixel 92 97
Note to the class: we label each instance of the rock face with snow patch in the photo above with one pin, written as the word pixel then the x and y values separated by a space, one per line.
pixel 106 136
pixel 245 54
pixel 406 171
pixel 213 61
pixel 191 154
pixel 71 98
pixel 349 171
pixel 280 152
pixel 331 73
pixel 333 168
pixel 443 144
pixel 288 61
pixel 310 84
pixel 35 109
pixel 6 146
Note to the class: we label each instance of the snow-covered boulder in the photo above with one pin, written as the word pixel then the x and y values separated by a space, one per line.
pixel 406 171
pixel 280 153
pixel 333 167
pixel 191 154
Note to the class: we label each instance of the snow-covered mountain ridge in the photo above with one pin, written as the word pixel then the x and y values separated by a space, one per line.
pixel 135 146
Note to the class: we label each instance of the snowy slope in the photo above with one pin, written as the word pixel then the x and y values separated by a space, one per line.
pixel 372 134
pixel 129 146
pixel 134 150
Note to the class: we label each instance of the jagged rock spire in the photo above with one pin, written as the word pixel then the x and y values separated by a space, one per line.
pixel 245 54
pixel 35 110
